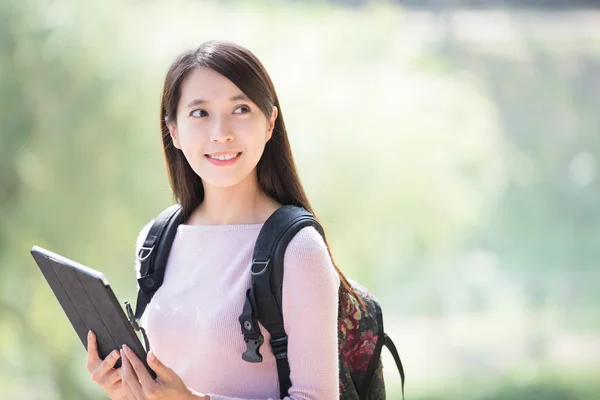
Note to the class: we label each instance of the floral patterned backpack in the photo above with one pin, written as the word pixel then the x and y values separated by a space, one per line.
pixel 360 323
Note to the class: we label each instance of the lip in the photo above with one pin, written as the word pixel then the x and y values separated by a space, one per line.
pixel 222 163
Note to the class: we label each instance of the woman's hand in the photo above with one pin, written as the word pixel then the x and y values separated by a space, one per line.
pixel 139 385
pixel 102 371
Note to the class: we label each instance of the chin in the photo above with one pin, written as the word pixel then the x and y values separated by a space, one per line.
pixel 222 182
pixel 222 178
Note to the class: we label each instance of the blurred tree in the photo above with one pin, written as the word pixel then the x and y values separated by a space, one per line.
pixel 66 134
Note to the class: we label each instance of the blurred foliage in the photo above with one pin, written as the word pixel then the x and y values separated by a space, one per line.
pixel 478 4
pixel 457 179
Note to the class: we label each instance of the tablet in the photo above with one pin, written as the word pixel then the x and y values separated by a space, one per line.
pixel 90 304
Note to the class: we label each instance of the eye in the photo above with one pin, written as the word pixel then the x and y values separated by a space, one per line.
pixel 245 108
pixel 198 113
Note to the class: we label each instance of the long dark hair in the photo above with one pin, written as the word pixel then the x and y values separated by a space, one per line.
pixel 276 170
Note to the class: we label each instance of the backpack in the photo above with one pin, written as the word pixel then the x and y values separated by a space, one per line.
pixel 360 329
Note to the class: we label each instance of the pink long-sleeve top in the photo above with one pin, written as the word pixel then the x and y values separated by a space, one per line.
pixel 192 321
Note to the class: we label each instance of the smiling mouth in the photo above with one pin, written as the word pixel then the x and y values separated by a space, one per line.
pixel 223 156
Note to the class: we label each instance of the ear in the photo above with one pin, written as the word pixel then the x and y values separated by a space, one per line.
pixel 272 123
pixel 173 132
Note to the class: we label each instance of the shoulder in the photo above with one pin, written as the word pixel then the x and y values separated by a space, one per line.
pixel 307 255
pixel 309 280
pixel 308 242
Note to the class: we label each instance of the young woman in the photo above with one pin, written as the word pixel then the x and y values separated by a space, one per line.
pixel 230 167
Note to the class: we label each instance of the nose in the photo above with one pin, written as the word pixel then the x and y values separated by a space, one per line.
pixel 221 132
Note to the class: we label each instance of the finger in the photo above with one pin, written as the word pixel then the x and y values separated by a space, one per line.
pixel 106 365
pixel 139 368
pixel 128 392
pixel 125 377
pixel 115 376
pixel 126 370
pixel 130 378
pixel 158 366
pixel 112 377
pixel 116 390
pixel 92 347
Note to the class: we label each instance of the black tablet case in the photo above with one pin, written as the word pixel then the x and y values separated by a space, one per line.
pixel 90 304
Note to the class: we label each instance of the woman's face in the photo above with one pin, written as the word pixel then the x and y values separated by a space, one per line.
pixel 221 132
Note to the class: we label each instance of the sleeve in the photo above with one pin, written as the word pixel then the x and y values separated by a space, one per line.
pixel 310 310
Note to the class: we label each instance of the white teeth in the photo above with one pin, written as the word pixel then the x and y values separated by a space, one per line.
pixel 224 157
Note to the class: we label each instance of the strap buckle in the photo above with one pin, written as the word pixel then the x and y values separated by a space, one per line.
pixel 143 258
pixel 250 329
pixel 252 353
pixel 265 265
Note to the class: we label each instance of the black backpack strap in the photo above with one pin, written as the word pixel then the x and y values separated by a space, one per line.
pixel 392 348
pixel 264 298
pixel 382 339
pixel 153 257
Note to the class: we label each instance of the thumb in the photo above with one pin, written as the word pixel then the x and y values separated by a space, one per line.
pixel 157 365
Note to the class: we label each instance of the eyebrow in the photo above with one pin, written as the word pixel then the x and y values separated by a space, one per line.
pixel 195 102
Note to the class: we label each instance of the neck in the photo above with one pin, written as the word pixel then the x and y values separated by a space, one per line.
pixel 244 203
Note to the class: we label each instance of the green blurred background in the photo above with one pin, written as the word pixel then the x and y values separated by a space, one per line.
pixel 450 148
